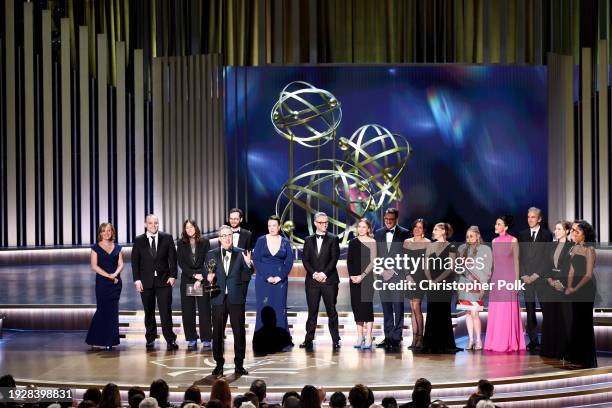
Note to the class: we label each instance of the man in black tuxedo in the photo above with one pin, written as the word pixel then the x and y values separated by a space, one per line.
pixel 321 254
pixel 231 263
pixel 242 238
pixel 389 243
pixel 533 260
pixel 154 271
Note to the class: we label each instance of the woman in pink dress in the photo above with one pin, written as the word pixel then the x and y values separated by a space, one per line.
pixel 504 324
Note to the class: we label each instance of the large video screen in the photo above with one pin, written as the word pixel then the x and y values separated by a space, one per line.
pixel 478 136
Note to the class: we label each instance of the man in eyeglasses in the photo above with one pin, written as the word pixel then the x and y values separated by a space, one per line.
pixel 230 265
pixel 389 241
pixel 321 254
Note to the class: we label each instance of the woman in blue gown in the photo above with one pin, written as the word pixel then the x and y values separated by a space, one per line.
pixel 107 263
pixel 273 261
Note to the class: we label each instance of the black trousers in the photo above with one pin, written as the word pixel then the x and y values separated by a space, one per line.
pixel 314 292
pixel 533 292
pixel 236 316
pixel 245 287
pixel 188 312
pixel 163 295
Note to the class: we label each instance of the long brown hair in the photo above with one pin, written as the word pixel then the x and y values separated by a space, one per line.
pixel 220 390
pixel 368 223
pixel 197 234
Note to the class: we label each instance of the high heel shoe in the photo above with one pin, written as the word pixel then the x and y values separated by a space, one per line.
pixel 478 345
pixel 367 346
pixel 470 345
pixel 360 345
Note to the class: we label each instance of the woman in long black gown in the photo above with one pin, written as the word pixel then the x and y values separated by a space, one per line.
pixel 359 262
pixel 581 289
pixel 439 267
pixel 107 263
pixel 557 325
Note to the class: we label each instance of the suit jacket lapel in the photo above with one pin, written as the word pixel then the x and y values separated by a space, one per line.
pixel 198 253
pixel 232 261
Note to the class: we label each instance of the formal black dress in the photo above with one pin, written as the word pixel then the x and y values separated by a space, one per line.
pixel 419 273
pixel 357 260
pixel 557 322
pixel 104 328
pixel 582 344
pixel 439 336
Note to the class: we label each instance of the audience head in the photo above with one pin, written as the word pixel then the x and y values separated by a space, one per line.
pixel 247 404
pixel 93 394
pixel 235 217
pixel 274 225
pixel 438 404
pixel 503 224
pixel 189 404
pixel 87 404
pixel 534 217
pixel 321 222
pixel 419 228
pixel 421 396
pixel 106 232
pixel 364 228
pixel 152 223
pixel 290 394
pixel 291 401
pixel 485 388
pixel 337 400
pixel 252 398
pixel 220 391
pixel 135 396
pixel 214 403
pixel 359 396
pixel 390 217
pixel 239 400
pixel 389 402
pixel 259 388
pixel 193 394
pixel 442 231
pixel 310 397
pixel 110 396
pixel 190 231
pixel 583 232
pixel 149 402
pixel 485 404
pixel 160 391
pixel 225 236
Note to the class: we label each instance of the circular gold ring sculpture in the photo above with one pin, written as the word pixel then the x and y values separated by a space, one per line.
pixel 381 157
pixel 330 185
pixel 306 114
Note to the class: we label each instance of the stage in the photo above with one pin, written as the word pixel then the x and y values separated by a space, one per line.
pixel 61 358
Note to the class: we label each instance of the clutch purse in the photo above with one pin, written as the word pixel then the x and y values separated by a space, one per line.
pixel 192 291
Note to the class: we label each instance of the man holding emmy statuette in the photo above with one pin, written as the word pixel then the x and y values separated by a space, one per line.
pixel 230 264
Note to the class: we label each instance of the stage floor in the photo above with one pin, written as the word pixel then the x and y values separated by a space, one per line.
pixel 64 358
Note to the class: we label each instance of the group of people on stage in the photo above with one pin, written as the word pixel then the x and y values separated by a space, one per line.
pixel 559 275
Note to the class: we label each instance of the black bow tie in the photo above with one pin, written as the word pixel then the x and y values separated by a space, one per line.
pixel 319 236
pixel 236 232
pixel 391 231
pixel 226 251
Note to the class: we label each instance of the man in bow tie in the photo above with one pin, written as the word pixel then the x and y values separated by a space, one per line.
pixel 230 264
pixel 389 241
pixel 241 238
pixel 321 253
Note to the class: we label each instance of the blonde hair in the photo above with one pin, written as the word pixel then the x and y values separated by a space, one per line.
pixel 368 223
pixel 475 230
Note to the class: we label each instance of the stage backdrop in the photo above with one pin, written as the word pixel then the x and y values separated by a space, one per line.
pixel 478 136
